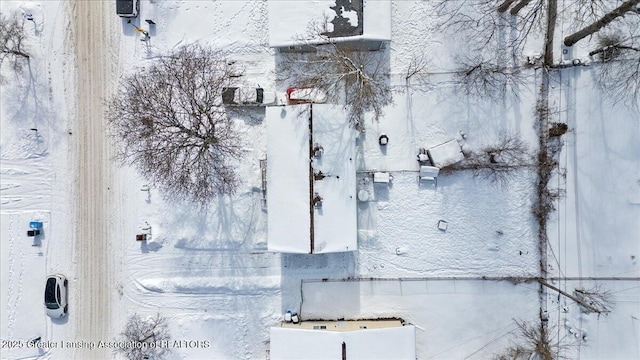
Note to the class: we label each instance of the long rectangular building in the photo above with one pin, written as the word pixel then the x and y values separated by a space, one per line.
pixel 311 179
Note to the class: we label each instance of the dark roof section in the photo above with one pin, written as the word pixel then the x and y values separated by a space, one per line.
pixel 228 95
pixel 341 25
pixel 50 293
pixel 124 7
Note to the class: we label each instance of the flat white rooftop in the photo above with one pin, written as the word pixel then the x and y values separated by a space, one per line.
pixel 289 20
pixel 288 188
pixel 367 344
pixel 295 225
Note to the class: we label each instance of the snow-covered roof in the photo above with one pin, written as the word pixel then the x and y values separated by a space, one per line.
pixel 290 180
pixel 447 153
pixel 289 20
pixel 288 186
pixel 367 344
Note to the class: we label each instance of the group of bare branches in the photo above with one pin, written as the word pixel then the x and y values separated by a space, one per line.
pixel 485 78
pixel 346 72
pixel 534 342
pixel 170 123
pixel 541 341
pixel 497 32
pixel 145 338
pixel 619 68
pixel 496 162
pixel 597 299
pixel 12 42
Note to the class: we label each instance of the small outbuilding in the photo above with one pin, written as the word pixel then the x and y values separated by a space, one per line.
pixel 447 153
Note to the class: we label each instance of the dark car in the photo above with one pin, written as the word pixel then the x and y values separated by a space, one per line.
pixel 127 8
pixel 55 296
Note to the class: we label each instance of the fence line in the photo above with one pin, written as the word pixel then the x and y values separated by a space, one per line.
pixel 515 279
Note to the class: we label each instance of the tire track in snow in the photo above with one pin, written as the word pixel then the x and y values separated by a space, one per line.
pixel 12 299
pixel 167 294
pixel 13 189
pixel 200 280
pixel 93 253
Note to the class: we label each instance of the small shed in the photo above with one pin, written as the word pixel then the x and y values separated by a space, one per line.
pixel 447 153
pixel 365 23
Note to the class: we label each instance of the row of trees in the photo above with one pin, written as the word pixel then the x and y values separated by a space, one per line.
pixel 497 32
pixel 170 122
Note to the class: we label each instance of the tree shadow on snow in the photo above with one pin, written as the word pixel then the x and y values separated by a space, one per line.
pixel 228 224
pixel 251 115
pixel 29 100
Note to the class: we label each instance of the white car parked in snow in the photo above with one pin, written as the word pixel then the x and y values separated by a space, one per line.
pixel 248 96
pixel 305 95
pixel 55 296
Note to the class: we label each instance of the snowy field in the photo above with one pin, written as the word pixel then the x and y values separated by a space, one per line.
pixel 210 272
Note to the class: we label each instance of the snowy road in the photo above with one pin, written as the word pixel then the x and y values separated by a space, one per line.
pixel 93 252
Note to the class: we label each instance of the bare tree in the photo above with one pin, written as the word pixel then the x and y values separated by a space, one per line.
pixel 347 73
pixel 595 299
pixel 534 342
pixel 417 65
pixel 617 65
pixel 169 122
pixel 144 338
pixel 496 32
pixel 621 10
pixel 589 11
pixel 483 78
pixel 12 39
pixel 612 46
pixel 493 25
pixel 496 162
pixel 620 79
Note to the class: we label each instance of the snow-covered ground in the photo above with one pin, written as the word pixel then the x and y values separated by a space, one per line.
pixel 596 232
pixel 210 272
pixel 454 319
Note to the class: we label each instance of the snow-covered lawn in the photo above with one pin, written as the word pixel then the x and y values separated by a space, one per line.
pixel 210 272
pixel 22 281
pixel 454 319
pixel 496 239
pixel 597 231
